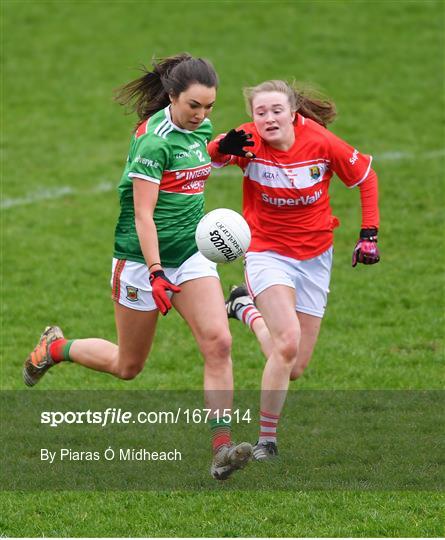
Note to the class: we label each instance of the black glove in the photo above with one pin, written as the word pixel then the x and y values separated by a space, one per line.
pixel 234 142
pixel 366 250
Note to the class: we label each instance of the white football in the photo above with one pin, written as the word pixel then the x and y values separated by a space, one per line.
pixel 222 235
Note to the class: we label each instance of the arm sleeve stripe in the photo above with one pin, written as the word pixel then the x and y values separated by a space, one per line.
pixel 144 177
pixel 216 165
pixel 365 175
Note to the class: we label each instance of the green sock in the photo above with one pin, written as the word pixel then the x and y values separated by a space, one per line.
pixel 66 350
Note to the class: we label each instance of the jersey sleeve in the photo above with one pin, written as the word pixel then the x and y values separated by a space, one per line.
pixel 350 165
pixel 151 158
pixel 369 198
pixel 218 160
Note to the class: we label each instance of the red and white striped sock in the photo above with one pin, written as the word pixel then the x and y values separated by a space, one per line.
pixel 248 314
pixel 268 427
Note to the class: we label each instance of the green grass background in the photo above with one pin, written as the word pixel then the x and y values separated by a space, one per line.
pixel 382 62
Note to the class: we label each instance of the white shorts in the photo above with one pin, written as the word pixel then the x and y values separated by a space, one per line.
pixel 309 278
pixel 130 281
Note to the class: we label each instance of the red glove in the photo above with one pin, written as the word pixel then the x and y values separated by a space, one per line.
pixel 160 285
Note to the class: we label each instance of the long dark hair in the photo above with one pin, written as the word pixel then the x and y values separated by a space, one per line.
pixel 169 77
pixel 303 98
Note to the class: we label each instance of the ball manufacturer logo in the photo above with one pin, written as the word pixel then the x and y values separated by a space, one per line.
pixel 218 241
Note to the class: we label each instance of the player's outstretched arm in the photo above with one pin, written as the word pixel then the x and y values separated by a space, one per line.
pixel 234 143
pixel 225 148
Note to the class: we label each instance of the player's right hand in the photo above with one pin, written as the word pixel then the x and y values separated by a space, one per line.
pixel 234 142
pixel 160 284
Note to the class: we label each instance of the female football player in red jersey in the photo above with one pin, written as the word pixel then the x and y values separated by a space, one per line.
pixel 156 261
pixel 288 158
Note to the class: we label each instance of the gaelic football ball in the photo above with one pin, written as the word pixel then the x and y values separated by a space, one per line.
pixel 222 235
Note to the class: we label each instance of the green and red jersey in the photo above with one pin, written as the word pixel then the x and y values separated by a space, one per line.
pixel 177 160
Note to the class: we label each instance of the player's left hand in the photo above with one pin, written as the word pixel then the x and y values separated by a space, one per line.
pixel 234 142
pixel 366 250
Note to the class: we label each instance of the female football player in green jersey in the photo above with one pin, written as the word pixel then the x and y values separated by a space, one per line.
pixel 156 262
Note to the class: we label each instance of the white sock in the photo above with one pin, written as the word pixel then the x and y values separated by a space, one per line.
pixel 247 313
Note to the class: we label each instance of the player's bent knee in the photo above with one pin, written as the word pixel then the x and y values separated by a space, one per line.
pixel 127 373
pixel 287 347
pixel 217 345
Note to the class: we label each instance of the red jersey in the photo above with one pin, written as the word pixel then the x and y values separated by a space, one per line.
pixel 285 193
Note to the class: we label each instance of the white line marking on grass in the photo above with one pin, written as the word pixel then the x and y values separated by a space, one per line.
pixel 103 187
pixel 41 195
pixel 51 194
pixel 46 194
pixel 400 156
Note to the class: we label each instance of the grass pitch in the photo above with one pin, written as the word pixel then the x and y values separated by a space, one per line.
pixel 64 147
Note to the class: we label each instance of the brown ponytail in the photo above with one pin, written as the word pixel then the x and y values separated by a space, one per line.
pixel 169 77
pixel 303 98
